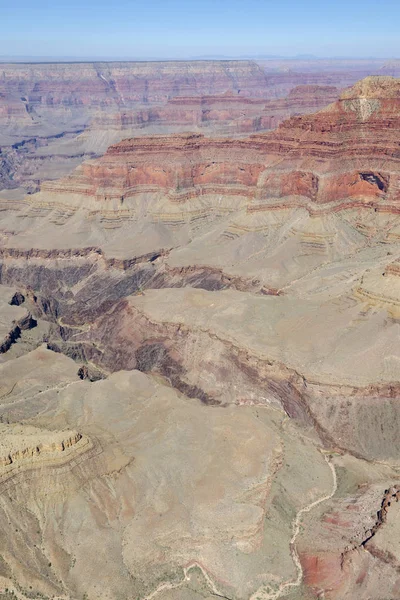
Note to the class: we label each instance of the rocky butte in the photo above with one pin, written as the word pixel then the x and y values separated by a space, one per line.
pixel 199 370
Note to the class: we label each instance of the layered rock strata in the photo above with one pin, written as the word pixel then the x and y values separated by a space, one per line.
pixel 228 113
pixel 44 108
pixel 333 159
pixel 22 446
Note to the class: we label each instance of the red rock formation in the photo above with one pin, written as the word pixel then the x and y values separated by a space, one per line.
pixel 51 104
pixel 335 562
pixel 348 153
pixel 226 113
pixel 364 122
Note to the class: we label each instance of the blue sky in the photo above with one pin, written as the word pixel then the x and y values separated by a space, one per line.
pixel 186 28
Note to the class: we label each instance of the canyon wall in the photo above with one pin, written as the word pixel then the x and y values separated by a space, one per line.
pixel 45 108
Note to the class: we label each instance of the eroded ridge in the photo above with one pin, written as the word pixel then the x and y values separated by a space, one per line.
pixel 24 447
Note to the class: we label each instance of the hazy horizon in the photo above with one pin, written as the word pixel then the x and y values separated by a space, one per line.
pixel 180 30
pixel 81 59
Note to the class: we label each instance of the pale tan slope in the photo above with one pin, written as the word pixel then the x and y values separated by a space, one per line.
pixel 276 247
pixel 322 341
pixel 26 381
pixel 45 226
pixel 280 246
pixel 33 374
pixel 169 484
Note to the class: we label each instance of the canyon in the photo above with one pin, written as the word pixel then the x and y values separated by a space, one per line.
pixel 199 327
pixel 54 116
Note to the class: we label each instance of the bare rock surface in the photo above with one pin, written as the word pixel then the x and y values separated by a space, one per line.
pixel 24 446
pixel 13 319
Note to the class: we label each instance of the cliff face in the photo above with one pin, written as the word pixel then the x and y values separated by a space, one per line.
pixel 227 114
pixel 28 446
pixel 361 123
pixel 100 83
pixel 44 108
pixel 348 152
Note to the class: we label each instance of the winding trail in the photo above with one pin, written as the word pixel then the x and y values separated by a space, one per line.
pixel 263 594
pixel 192 565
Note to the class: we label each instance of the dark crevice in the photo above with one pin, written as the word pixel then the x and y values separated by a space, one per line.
pixel 377 179
pixel 391 495
pixel 17 299
pixel 25 323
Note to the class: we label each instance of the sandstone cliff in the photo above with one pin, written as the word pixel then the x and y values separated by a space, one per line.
pixel 345 153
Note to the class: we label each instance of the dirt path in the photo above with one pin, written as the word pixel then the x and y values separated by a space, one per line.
pixel 170 586
pixel 286 587
pixel 263 593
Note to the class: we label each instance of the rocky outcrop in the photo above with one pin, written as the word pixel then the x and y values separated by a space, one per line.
pixel 20 444
pixel 14 319
pixel 346 550
pixel 27 322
